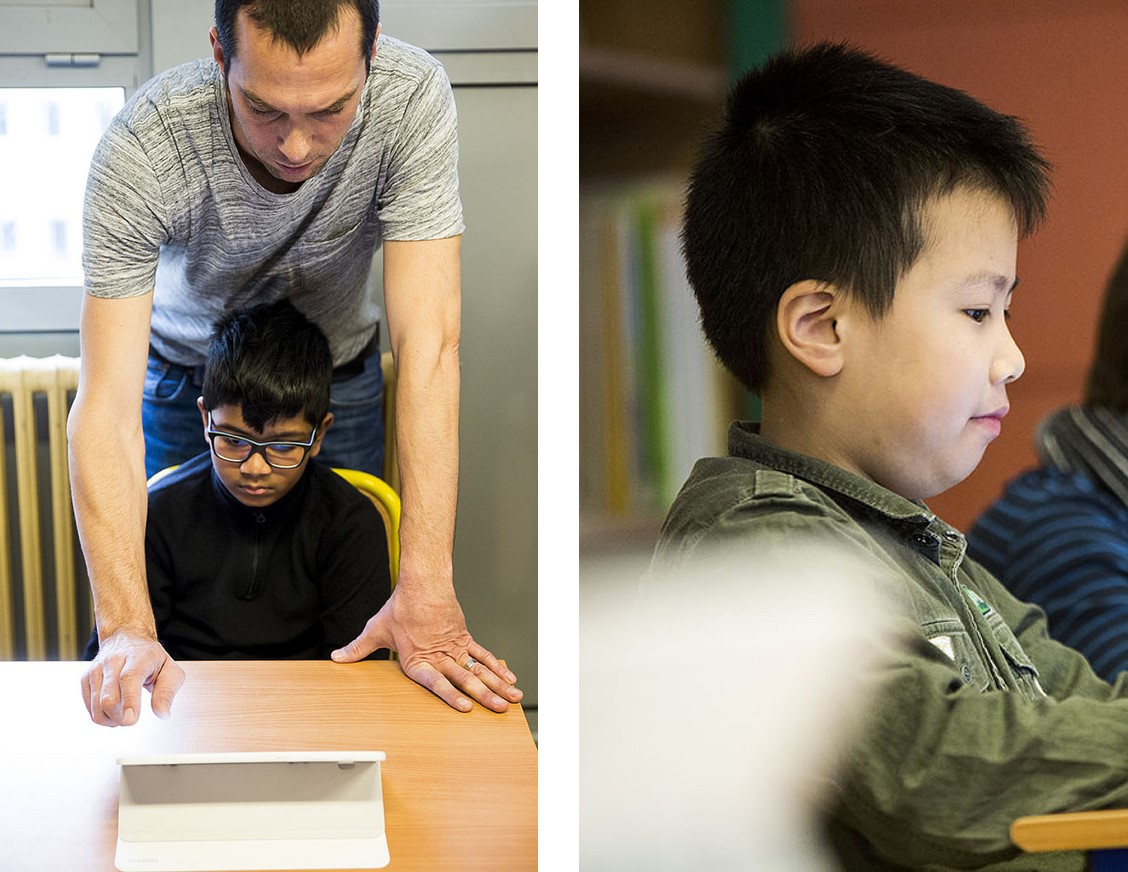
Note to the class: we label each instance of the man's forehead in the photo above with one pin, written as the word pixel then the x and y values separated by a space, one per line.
pixel 344 30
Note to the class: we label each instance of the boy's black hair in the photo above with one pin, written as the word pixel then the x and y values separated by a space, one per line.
pixel 822 169
pixel 301 24
pixel 271 361
pixel 1107 383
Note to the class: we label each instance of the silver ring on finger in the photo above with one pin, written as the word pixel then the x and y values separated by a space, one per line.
pixel 470 661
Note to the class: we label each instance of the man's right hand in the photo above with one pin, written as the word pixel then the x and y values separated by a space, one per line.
pixel 126 663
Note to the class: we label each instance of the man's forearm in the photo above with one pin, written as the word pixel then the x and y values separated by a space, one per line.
pixel 108 486
pixel 422 298
pixel 426 418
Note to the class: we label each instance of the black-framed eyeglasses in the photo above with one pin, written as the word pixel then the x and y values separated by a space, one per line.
pixel 238 449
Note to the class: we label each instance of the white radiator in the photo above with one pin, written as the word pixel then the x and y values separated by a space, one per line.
pixel 43 522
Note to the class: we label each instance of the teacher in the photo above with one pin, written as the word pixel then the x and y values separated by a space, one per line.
pixel 276 169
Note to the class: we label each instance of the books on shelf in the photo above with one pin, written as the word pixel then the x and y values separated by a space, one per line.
pixel 653 399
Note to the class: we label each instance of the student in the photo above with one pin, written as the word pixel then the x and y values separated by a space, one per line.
pixel 253 549
pixel 850 235
pixel 1058 535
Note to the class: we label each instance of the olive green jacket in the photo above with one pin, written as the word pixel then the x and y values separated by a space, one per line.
pixel 980 717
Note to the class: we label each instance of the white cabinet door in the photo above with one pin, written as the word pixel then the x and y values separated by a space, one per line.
pixel 495 549
pixel 462 25
pixel 41 27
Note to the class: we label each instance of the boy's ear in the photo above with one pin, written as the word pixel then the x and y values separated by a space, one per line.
pixel 322 429
pixel 807 324
pixel 203 415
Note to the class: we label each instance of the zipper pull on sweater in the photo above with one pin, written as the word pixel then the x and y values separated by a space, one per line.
pixel 253 585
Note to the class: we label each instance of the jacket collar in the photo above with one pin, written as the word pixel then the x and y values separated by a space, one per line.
pixel 745 441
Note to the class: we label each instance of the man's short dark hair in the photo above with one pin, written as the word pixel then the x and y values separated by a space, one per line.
pixel 301 24
pixel 271 361
pixel 822 169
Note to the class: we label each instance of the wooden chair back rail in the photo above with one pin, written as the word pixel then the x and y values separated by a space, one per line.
pixel 1072 831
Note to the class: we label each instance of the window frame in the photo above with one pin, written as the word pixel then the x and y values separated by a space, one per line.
pixel 106 35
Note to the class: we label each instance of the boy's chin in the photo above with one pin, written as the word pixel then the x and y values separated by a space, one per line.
pixel 254 498
pixel 935 484
pixel 946 483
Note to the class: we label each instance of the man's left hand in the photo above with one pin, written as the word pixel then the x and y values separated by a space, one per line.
pixel 436 650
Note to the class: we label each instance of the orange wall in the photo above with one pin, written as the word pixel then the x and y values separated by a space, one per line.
pixel 1063 69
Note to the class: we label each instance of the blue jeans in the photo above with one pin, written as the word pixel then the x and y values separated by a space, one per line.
pixel 174 431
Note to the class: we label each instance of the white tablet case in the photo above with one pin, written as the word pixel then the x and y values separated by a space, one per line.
pixel 255 810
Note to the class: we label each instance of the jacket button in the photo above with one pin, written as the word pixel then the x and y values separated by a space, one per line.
pixel 966 674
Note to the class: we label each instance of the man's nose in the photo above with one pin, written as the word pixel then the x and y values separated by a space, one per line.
pixel 295 145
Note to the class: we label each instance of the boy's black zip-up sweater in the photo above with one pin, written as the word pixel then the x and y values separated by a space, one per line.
pixel 296 579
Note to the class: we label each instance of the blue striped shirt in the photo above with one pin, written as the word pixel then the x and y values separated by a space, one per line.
pixel 1060 540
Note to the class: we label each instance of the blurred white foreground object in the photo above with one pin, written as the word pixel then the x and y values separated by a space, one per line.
pixel 713 705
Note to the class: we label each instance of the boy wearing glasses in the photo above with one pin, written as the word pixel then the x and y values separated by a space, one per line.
pixel 254 551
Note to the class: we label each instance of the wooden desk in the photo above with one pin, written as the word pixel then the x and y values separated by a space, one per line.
pixel 460 790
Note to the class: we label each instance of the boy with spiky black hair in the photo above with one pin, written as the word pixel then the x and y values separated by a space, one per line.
pixel 850 235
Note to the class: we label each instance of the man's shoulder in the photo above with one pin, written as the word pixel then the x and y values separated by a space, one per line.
pixel 402 75
pixel 394 57
pixel 174 91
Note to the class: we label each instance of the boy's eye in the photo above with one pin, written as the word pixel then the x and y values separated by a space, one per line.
pixel 977 315
pixel 232 442
pixel 263 113
pixel 282 448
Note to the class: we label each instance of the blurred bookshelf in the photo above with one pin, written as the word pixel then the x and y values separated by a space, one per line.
pixel 652 77
pixel 652 398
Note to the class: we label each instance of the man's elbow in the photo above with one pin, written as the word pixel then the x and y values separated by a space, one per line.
pixel 449 347
pixel 90 422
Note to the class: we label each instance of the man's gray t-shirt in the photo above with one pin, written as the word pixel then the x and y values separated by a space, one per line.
pixel 171 206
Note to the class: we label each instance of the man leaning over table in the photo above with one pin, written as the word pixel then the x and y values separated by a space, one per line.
pixel 283 161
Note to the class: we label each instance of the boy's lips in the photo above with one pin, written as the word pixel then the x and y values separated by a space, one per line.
pixel 993 421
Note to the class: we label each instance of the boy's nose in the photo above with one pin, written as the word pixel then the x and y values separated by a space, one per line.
pixel 1009 363
pixel 255 465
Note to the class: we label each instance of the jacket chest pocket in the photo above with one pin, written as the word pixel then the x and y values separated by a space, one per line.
pixel 1023 670
pixel 952 639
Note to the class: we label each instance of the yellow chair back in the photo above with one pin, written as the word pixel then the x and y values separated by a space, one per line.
pixel 387 502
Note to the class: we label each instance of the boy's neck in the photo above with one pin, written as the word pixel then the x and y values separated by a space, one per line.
pixel 799 422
